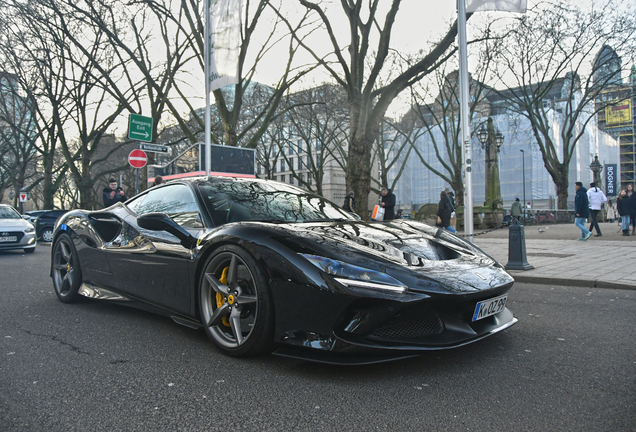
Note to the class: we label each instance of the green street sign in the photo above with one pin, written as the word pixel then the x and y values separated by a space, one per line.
pixel 139 128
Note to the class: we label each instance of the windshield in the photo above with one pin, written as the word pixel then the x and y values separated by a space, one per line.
pixel 9 213
pixel 233 200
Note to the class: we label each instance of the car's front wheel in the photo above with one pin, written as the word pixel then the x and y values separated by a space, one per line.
pixel 235 304
pixel 67 275
pixel 47 234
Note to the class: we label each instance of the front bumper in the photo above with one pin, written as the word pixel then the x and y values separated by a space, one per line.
pixel 25 241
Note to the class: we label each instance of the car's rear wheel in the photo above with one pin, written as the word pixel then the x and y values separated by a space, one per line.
pixel 67 275
pixel 235 304
pixel 47 234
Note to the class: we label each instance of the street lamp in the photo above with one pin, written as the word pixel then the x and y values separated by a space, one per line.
pixel 484 139
pixel 596 168
pixel 491 139
pixel 523 169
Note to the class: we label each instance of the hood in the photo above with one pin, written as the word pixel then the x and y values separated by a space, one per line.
pixel 14 224
pixel 415 253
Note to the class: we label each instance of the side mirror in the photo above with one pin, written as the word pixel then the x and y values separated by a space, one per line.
pixel 162 222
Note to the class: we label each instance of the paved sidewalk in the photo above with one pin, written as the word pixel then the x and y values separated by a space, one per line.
pixel 559 259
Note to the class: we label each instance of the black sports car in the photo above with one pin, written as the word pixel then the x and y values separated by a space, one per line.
pixel 265 266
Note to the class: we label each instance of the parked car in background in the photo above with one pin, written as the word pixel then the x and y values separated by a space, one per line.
pixel 33 215
pixel 15 231
pixel 45 223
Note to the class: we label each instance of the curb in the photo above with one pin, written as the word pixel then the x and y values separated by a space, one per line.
pixel 584 283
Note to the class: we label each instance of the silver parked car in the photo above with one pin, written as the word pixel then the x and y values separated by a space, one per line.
pixel 15 231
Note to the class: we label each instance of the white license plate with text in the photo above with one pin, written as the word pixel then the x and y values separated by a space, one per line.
pixel 8 239
pixel 490 307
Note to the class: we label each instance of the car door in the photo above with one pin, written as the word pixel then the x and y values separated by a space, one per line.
pixel 153 265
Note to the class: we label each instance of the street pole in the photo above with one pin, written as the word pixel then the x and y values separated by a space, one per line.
pixel 465 120
pixel 206 57
pixel 523 169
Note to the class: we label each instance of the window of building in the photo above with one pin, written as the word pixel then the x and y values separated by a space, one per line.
pixel 291 179
pixel 282 166
pixel 290 150
pixel 282 178
pixel 291 163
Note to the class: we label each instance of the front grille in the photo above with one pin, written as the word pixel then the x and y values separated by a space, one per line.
pixel 410 323
pixel 18 234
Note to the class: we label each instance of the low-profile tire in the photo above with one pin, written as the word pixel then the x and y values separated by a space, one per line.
pixel 235 303
pixel 47 235
pixel 29 250
pixel 67 275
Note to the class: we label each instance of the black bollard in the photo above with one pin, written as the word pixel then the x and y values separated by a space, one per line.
pixel 517 259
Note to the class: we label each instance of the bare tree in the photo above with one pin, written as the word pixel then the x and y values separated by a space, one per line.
pixel 548 71
pixel 359 75
pixel 437 123
pixel 317 122
pixel 17 136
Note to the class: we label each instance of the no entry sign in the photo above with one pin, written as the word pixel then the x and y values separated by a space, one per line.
pixel 137 158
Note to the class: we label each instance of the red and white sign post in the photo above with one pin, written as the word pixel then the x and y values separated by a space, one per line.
pixel 23 197
pixel 137 159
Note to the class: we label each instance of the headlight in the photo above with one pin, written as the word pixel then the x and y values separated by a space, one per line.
pixel 351 275
pixel 29 230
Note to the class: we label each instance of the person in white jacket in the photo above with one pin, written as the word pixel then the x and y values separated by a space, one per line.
pixel 597 198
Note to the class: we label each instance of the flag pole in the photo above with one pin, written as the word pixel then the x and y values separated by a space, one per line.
pixel 465 120
pixel 206 68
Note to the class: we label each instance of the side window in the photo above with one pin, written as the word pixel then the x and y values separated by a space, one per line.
pixel 177 201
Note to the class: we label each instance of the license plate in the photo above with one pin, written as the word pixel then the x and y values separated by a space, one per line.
pixel 490 307
pixel 9 239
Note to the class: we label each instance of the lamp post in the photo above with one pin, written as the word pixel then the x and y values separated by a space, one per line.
pixel 523 169
pixel 491 140
pixel 596 168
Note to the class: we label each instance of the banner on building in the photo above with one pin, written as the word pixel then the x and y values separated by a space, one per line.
pixel 619 113
pixel 610 180
pixel 225 42
pixel 497 5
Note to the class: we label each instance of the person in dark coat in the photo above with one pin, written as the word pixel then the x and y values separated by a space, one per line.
pixel 581 210
pixel 388 202
pixel 158 180
pixel 113 193
pixel 632 207
pixel 623 208
pixel 350 202
pixel 444 210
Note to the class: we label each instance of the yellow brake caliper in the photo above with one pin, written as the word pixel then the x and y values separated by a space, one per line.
pixel 220 298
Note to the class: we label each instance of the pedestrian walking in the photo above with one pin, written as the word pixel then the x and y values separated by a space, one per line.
pixel 632 207
pixel 611 211
pixel 349 202
pixel 623 208
pixel 444 211
pixel 451 195
pixel 516 210
pixel 388 202
pixel 597 198
pixel 581 210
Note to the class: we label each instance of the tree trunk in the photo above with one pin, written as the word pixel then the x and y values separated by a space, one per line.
pixel 562 191
pixel 48 190
pixel 358 174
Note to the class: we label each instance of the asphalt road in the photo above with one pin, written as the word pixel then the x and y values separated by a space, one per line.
pixel 568 365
